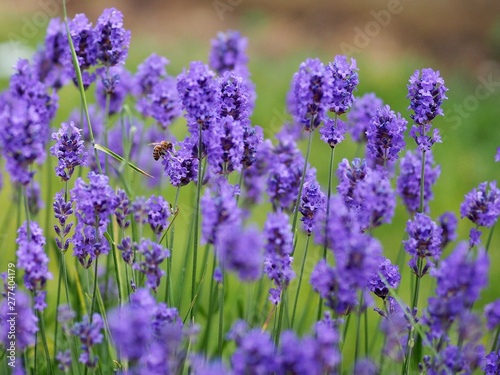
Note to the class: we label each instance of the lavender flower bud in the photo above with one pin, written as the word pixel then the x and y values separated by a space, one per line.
pixel 69 149
pixel 112 40
pixel 343 80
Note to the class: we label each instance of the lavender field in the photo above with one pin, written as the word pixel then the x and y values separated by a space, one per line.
pixel 215 206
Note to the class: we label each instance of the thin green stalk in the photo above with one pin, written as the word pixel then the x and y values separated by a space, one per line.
pixel 495 340
pixel 277 332
pixel 94 293
pixel 329 193
pixel 304 170
pixel 358 331
pixel 300 281
pixel 196 224
pixel 490 236
pixel 116 266
pixel 365 314
pixel 168 291
pixel 221 315
pixel 239 184
pixel 58 300
pixel 44 342
pixel 210 309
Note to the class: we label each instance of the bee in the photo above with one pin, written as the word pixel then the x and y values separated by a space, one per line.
pixel 161 148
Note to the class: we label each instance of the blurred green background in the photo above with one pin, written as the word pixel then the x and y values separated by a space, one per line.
pixel 389 39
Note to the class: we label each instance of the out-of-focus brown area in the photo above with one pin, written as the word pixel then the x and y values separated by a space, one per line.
pixel 453 32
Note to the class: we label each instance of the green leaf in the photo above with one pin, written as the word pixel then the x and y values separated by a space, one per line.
pixel 120 159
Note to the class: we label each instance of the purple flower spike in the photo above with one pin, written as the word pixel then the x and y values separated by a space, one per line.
pixel 228 53
pixel 254 354
pixel 32 259
pixel 482 205
pixel 26 322
pixel 333 131
pixel 240 250
pixel 85 41
pixel 343 78
pixel 149 73
pixel 492 314
pixel 114 86
pixel 153 255
pixel 387 276
pixel 460 278
pixel 313 201
pixel 385 135
pixel 448 223
pixel 362 111
pixel 310 94
pixel 408 182
pixel 277 252
pixel 69 150
pixel 62 211
pixel 158 211
pixel 111 38
pixel 491 365
pixel 89 333
pixel 424 241
pixel 426 92
pixel 50 59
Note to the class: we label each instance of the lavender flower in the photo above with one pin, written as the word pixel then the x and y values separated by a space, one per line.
pixel 26 323
pixel 284 174
pixel 230 133
pixel 158 210
pixel 197 89
pixel 164 103
pixel 375 198
pixel 474 238
pixel 482 205
pixel 310 92
pixel 426 93
pixel 362 111
pixel 49 60
pixel 395 326
pixel 312 202
pixel 64 361
pixel 24 122
pixel 333 131
pixel 111 38
pixel 113 88
pixel 365 366
pixel 35 202
pixel 424 241
pixel 344 79
pixel 253 136
pixel 492 314
pixel 85 41
pixel 122 210
pixel 95 202
pixel 140 209
pixel 62 211
pixel 149 73
pixel 182 166
pixel 387 276
pixel 240 250
pixel 234 98
pixel 126 248
pixel 460 278
pixel 385 134
pixel 491 365
pixel 69 150
pixel 219 209
pixel 277 253
pixel 154 254
pixel 255 354
pixel 32 259
pixel 448 223
pixel 409 180
pixel 349 176
pixel 89 333
pixel 228 53
pixel 255 176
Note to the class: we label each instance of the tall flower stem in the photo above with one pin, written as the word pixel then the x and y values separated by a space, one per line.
pixel 168 289
pixel 44 341
pixel 196 223
pixel 221 314
pixel 418 276
pixel 94 293
pixel 300 281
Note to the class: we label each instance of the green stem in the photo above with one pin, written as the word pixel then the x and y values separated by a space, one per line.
pixel 210 309
pixel 168 292
pixel 196 224
pixel 490 236
pixel 94 293
pixel 221 315
pixel 495 340
pixel 44 342
pixel 300 281
pixel 304 170
pixel 117 267
pixel 330 176
pixel 58 300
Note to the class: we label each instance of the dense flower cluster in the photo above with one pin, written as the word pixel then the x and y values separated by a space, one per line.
pixel 386 277
pixel 89 334
pixel 228 53
pixel 32 259
pixel 343 78
pixel 408 184
pixel 312 202
pixel 482 204
pixel 69 150
pixel 360 115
